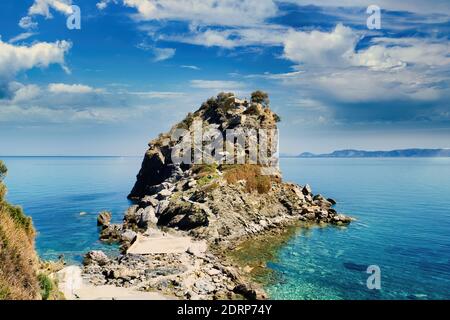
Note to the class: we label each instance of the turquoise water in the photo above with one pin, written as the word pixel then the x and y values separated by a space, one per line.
pixel 402 207
pixel 55 190
pixel 403 212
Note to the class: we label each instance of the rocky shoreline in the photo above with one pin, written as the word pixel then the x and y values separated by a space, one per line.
pixel 177 238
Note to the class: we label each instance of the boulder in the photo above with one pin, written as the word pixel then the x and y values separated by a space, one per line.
pixel 163 194
pixel 307 190
pixel 111 233
pixel 318 197
pixel 332 201
pixel 340 218
pixel 197 248
pixel 162 206
pixel 132 216
pixel 184 215
pixel 128 236
pixel 323 203
pixel 148 201
pixel 104 218
pixel 96 257
pixel 147 218
pixel 322 214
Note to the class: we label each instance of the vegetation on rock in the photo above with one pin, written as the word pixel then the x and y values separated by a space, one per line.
pixel 260 97
pixel 20 274
pixel 18 260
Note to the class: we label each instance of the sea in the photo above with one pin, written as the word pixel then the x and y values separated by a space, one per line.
pixel 401 207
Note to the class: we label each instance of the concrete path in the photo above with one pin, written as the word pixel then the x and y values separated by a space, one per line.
pixel 162 244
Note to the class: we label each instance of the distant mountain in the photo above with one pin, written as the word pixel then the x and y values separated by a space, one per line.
pixel 405 153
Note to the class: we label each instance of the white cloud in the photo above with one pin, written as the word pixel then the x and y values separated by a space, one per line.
pixel 159 54
pixel 218 85
pixel 42 7
pixel 103 4
pixel 14 59
pixel 209 38
pixel 71 88
pixel 43 115
pixel 162 54
pixel 22 36
pixel 386 53
pixel 155 94
pixel 24 93
pixel 416 6
pixel 190 67
pixel 328 68
pixel 320 48
pixel 206 12
pixel 359 85
pixel 27 23
pixel 264 35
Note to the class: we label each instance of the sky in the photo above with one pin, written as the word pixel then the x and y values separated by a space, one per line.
pixel 136 67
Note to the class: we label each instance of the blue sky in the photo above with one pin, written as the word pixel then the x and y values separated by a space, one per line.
pixel 138 66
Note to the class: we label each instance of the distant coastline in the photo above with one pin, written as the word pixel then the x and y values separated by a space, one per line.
pixel 345 153
pixel 403 153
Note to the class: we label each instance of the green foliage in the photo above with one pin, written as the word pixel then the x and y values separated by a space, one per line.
pixel 2 192
pixel 206 173
pixel 260 97
pixel 225 100
pixel 3 170
pixel 16 213
pixel 4 293
pixel 46 285
pixel 204 169
pixel 277 117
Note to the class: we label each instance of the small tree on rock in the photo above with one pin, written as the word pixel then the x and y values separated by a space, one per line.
pixel 260 97
pixel 3 170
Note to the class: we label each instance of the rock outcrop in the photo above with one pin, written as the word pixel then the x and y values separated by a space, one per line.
pixel 215 201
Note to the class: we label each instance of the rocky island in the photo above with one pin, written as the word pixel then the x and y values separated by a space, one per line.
pixel 188 217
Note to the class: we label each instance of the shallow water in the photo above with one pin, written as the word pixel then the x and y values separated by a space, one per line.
pixel 403 212
pixel 402 207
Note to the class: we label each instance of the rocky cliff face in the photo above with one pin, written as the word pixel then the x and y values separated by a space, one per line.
pixel 213 203
pixel 225 112
pixel 219 201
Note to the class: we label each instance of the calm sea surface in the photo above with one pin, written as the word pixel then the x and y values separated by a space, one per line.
pixel 402 207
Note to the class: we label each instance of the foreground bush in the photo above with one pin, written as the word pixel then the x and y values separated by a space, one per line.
pixel 18 260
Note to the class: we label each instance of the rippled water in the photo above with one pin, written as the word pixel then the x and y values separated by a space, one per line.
pixel 402 207
pixel 56 190
pixel 403 212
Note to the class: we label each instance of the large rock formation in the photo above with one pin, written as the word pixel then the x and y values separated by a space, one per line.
pixel 211 202
pixel 220 201
pixel 222 113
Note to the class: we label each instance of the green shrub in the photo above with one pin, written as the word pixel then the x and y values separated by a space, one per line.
pixel 21 220
pixel 276 117
pixel 3 170
pixel 260 97
pixel 46 285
